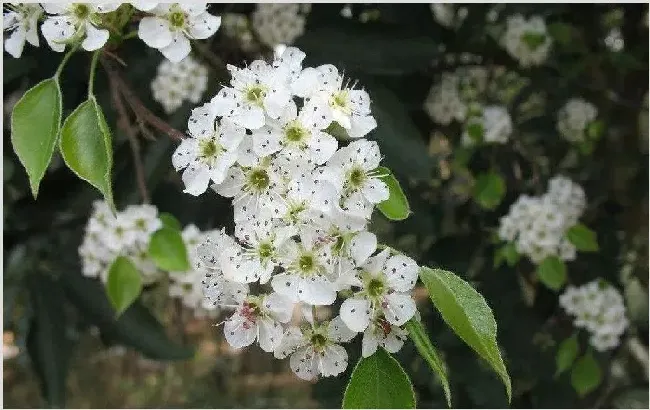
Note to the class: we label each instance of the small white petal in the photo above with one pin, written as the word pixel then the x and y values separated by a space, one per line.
pixel 251 117
pixel 321 147
pixel 196 178
pixel 375 190
pixel 356 314
pixel 360 126
pixel 281 307
pixel 178 49
pixel 400 308
pixel 184 154
pixel 239 332
pixel 286 285
pixel 203 26
pixel 316 290
pixel 362 245
pixel 271 333
pixel 376 263
pixel 155 32
pixel 304 363
pixel 333 360
pixel 292 340
pixel 339 332
pixel 401 272
pixel 15 43
pixel 370 342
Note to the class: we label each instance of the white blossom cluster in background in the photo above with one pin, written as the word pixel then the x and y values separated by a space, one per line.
pixel 538 225
pixel 527 40
pixel 127 233
pixel 302 205
pixel 448 14
pixel 179 82
pixel 599 308
pixel 574 118
pixel 168 27
pixel 280 23
pixel 237 26
pixel 463 95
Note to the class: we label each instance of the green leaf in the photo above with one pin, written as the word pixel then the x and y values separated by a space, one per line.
pixel 586 374
pixel 167 250
pixel 430 354
pixel 534 40
pixel 396 207
pixel 583 238
pixel 489 190
pixel 379 382
pixel 475 132
pixel 507 252
pixel 595 129
pixel 48 344
pixel 86 146
pixel 469 316
pixel 124 284
pixel 35 124
pixel 566 354
pixel 169 221
pixel 136 327
pixel 562 33
pixel 552 272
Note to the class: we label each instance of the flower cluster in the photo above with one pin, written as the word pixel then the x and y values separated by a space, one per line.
pixel 301 207
pixel 448 15
pixel 125 234
pixel 279 23
pixel 237 26
pixel 538 225
pixel 494 125
pixel 597 307
pixel 177 82
pixel 527 40
pixel 169 27
pixel 574 118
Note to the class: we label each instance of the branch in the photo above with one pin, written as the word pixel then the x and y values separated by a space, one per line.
pixel 124 123
pixel 141 111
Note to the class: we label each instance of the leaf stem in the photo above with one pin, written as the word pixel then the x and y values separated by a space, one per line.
pixel 66 57
pixel 93 68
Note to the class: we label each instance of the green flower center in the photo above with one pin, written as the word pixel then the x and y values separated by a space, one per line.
pixel 340 101
pixel 357 177
pixel 258 179
pixel 208 149
pixel 306 263
pixel 81 11
pixel 141 224
pixel 255 95
pixel 265 250
pixel 376 287
pixel 340 242
pixel 318 340
pixel 295 133
pixel 534 40
pixel 177 19
pixel 187 287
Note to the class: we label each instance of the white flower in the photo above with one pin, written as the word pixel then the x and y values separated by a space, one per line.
pixel 21 20
pixel 307 266
pixel 443 104
pixel 352 170
pixel 279 23
pixel 70 22
pixel 316 351
pixel 386 279
pixel 256 90
pixel 174 25
pixel 381 333
pixel 574 118
pixel 209 153
pixel 259 318
pixel 177 82
pixel 527 40
pixel 327 93
pixel 495 124
pixel 447 15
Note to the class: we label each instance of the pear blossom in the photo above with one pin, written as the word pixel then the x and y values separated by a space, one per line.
pixel 173 25
pixel 21 21
pixel 381 333
pixel 67 23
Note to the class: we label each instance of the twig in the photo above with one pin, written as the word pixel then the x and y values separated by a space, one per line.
pixel 124 123
pixel 142 113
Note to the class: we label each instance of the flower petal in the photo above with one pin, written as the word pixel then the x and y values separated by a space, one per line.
pixel 178 49
pixel 185 153
pixel 286 285
pixel 203 26
pixel 292 340
pixel 355 313
pixel 333 360
pixel 239 332
pixel 339 332
pixel 271 333
pixel 304 363
pixel 399 308
pixel 375 190
pixel 15 43
pixel 370 342
pixel 196 178
pixel 316 290
pixel 280 307
pixel 155 32
pixel 402 273
pixel 362 246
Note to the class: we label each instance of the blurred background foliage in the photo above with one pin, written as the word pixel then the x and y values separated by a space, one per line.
pixel 72 351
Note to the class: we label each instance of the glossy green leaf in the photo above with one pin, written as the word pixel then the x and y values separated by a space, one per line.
pixel 35 124
pixel 475 132
pixel 136 327
pixel 86 146
pixel 552 272
pixel 595 129
pixel 566 354
pixel 489 190
pixel 169 221
pixel 507 253
pixel 534 40
pixel 379 382
pixel 124 284
pixel 586 374
pixel 167 250
pixel 583 238
pixel 396 207
pixel 418 335
pixel 48 343
pixel 469 316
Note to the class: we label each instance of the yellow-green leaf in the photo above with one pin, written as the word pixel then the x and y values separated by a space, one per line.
pixel 396 207
pixel 468 315
pixel 489 190
pixel 586 374
pixel 379 382
pixel 86 146
pixel 583 238
pixel 124 284
pixel 167 250
pixel 552 272
pixel 566 354
pixel 35 124
pixel 169 221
